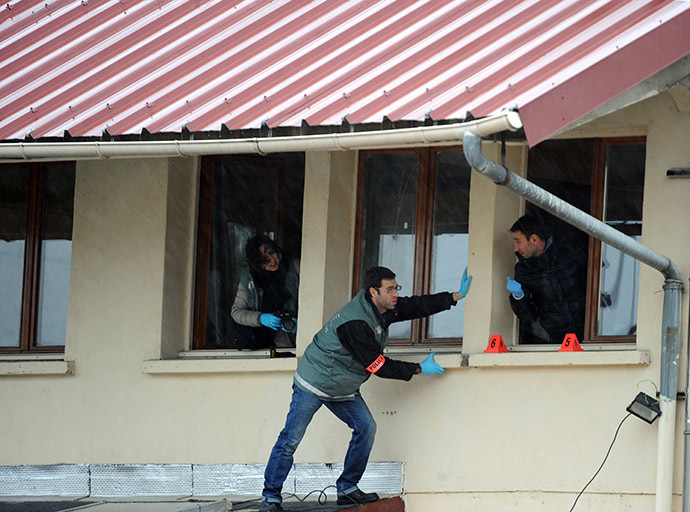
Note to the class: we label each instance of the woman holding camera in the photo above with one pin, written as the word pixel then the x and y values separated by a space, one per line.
pixel 266 299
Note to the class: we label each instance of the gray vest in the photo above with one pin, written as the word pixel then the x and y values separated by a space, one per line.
pixel 327 369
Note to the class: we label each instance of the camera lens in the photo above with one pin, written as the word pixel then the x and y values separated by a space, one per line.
pixel 288 324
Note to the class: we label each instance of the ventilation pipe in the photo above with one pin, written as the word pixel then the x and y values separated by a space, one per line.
pixel 673 286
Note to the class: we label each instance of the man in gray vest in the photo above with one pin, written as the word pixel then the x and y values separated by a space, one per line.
pixel 340 358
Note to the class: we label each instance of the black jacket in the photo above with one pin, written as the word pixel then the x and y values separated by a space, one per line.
pixel 555 286
pixel 358 338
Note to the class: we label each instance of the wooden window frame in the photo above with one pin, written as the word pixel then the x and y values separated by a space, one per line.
pixel 424 235
pixel 424 219
pixel 203 251
pixel 595 245
pixel 32 267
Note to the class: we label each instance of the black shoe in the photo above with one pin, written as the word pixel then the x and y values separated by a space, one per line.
pixel 357 497
pixel 270 506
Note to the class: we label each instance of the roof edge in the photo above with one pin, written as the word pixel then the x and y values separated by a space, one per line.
pixel 449 134
pixel 566 103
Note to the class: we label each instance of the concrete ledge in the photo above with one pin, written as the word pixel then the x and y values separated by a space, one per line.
pixel 541 356
pixel 447 358
pixel 36 367
pixel 217 365
pixel 541 359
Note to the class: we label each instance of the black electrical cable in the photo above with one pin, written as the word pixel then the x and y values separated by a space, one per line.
pixel 322 494
pixel 321 500
pixel 602 464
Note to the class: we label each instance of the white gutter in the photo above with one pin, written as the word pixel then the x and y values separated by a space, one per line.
pixel 449 134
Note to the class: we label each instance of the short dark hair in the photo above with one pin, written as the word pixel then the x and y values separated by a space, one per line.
pixel 374 275
pixel 252 251
pixel 530 225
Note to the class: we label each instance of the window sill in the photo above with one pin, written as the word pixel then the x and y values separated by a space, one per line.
pixel 30 364
pixel 523 356
pixel 541 358
pixel 448 357
pixel 220 361
pixel 526 356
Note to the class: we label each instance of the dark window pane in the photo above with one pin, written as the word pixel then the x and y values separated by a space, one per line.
pixel 565 168
pixel 251 195
pixel 450 238
pixel 244 204
pixel 623 211
pixel 14 194
pixel 56 255
pixel 388 220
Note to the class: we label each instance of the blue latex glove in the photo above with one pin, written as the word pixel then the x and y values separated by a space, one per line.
pixel 514 287
pixel 270 320
pixel 294 329
pixel 431 367
pixel 465 283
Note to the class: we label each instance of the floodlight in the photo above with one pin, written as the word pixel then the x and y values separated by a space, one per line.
pixel 645 407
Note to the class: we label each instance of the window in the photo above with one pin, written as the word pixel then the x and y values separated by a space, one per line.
pixel 413 216
pixel 36 211
pixel 240 196
pixel 619 176
pixel 604 177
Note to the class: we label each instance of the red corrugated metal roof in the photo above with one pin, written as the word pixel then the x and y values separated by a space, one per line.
pixel 161 65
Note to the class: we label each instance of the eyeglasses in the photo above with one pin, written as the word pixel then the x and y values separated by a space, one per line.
pixel 390 289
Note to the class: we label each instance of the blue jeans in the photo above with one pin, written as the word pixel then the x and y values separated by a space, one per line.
pixel 302 408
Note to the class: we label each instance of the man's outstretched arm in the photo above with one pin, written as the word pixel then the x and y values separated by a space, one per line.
pixel 419 306
pixel 358 338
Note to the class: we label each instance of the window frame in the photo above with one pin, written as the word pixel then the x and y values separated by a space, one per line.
pixel 595 245
pixel 424 235
pixel 204 236
pixel 28 326
pixel 597 193
pixel 424 219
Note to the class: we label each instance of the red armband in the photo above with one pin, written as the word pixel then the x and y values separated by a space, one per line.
pixel 376 365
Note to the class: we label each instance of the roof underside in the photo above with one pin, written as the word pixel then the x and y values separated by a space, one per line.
pixel 85 68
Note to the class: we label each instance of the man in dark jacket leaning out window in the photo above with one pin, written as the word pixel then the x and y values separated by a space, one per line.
pixel 548 292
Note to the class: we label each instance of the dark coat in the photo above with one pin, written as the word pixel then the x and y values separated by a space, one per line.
pixel 555 286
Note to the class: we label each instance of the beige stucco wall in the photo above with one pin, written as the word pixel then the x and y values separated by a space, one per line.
pixel 492 211
pixel 481 437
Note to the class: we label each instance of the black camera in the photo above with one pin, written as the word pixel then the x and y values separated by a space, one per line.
pixel 286 321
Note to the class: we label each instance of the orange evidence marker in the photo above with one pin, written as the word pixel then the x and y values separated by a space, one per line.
pixel 570 344
pixel 496 344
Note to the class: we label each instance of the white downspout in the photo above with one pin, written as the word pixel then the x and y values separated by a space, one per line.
pixel 673 286
pixel 424 135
